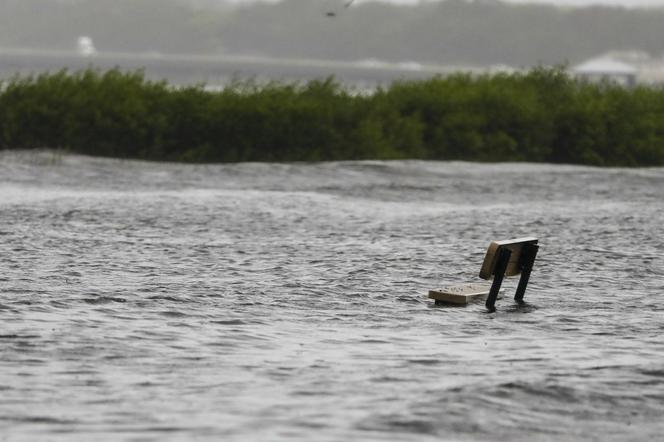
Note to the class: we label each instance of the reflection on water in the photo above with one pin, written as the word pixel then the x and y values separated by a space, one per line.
pixel 250 302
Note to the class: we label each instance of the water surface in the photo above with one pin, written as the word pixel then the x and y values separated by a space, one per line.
pixel 287 302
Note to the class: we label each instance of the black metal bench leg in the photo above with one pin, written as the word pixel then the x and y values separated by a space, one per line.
pixel 528 255
pixel 499 274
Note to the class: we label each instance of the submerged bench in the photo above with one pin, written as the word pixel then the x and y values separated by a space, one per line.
pixel 503 258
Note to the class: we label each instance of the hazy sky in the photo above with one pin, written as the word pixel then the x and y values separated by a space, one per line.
pixel 626 3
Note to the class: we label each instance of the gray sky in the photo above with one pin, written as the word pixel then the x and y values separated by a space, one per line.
pixel 625 3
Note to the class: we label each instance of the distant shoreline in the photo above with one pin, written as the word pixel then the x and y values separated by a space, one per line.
pixel 218 70
pixel 540 116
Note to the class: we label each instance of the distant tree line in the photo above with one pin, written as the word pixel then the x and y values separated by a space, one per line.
pixel 541 116
pixel 452 32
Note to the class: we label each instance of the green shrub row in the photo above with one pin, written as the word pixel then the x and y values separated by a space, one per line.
pixel 540 116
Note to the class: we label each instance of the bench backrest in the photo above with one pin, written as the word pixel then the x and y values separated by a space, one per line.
pixel 515 263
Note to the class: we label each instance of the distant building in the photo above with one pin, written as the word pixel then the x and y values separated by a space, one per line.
pixel 607 68
pixel 85 47
pixel 652 74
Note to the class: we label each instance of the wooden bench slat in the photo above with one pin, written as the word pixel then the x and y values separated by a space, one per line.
pixel 460 294
pixel 513 267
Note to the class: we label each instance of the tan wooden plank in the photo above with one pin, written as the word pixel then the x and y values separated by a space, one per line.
pixel 460 294
pixel 515 246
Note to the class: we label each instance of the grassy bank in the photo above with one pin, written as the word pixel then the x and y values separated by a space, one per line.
pixel 542 116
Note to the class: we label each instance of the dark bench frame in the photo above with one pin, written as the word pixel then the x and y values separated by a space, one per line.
pixel 508 258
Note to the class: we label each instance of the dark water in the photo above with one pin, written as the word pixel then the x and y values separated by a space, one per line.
pixel 255 302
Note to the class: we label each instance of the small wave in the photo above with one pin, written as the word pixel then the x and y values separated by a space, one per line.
pixel 174 314
pixel 166 298
pixel 230 322
pixel 12 336
pixel 655 372
pixel 104 300
pixel 38 420
pixel 424 361
pixel 396 423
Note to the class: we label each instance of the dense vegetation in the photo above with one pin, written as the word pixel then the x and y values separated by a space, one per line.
pixel 541 116
pixel 448 32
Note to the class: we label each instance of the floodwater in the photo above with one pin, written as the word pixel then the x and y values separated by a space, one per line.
pixel 288 302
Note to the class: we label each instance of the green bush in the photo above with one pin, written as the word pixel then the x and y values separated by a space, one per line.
pixel 540 116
